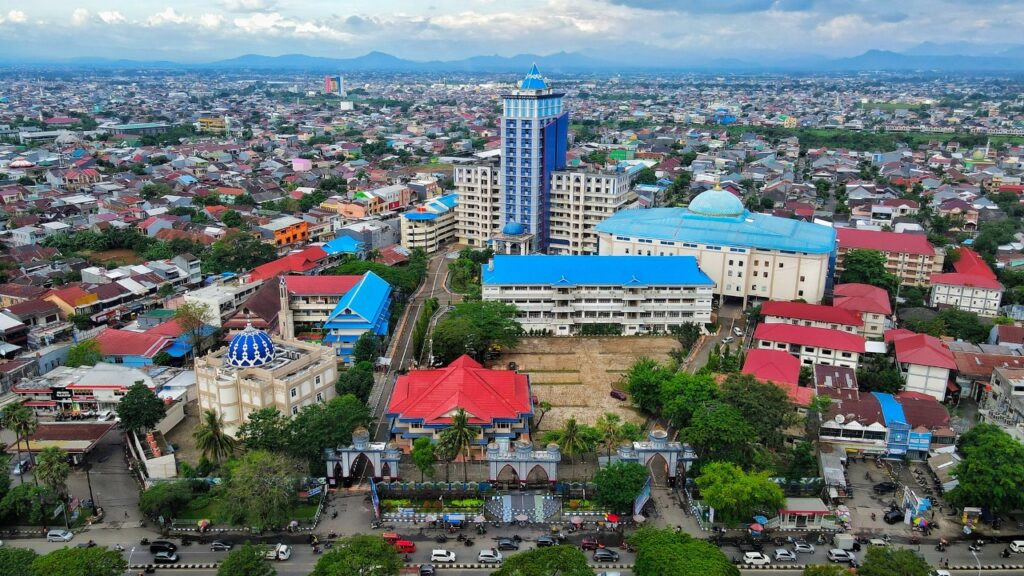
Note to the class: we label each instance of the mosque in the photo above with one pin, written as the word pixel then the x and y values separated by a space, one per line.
pixel 750 256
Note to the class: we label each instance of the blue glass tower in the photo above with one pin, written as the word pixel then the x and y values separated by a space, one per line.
pixel 533 140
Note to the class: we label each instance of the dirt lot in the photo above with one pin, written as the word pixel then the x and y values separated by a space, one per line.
pixel 576 374
pixel 123 256
pixel 181 435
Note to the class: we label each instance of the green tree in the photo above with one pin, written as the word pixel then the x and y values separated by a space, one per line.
pixel 644 381
pixel 543 407
pixel 97 561
pixel 211 438
pixel 685 393
pixel 867 267
pixel 265 429
pixel 81 321
pixel 320 426
pixel 459 437
pixel 193 318
pixel 28 504
pixel 573 442
pixel 736 495
pixel 893 561
pixel 803 463
pixel 19 419
pixel 247 560
pixel 140 409
pixel 5 480
pixel 366 348
pixel 357 380
pixel 991 471
pixel 665 551
pixel 84 353
pixel 237 252
pixel 52 469
pixel 261 489
pixel 609 426
pixel 231 219
pixel 560 560
pixel 646 176
pixel 619 484
pixel 719 432
pixel 424 455
pixel 877 374
pixel 359 555
pixel 166 499
pixel 16 561
pixel 826 570
pixel 474 328
pixel 765 406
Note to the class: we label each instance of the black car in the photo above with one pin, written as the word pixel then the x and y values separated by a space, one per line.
pixel 884 487
pixel 221 546
pixel 507 544
pixel 162 546
pixel 893 517
pixel 545 541
pixel 605 555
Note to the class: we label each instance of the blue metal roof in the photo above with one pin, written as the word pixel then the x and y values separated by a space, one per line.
pixel 432 208
pixel 343 245
pixel 596 270
pixel 419 215
pixel 750 229
pixel 533 80
pixel 892 410
pixel 366 301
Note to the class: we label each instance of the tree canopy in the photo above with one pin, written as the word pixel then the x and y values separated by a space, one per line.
pixel 357 380
pixel 561 560
pixel 16 561
pixel 765 406
pixel 84 353
pixel 359 555
pixel 237 252
pixel 644 382
pixel 319 426
pixel 736 495
pixel 265 429
pixel 474 328
pixel 619 484
pixel 140 409
pixel 665 551
pixel 893 561
pixel 261 489
pixel 97 561
pixel 246 560
pixel 991 471
pixel 867 267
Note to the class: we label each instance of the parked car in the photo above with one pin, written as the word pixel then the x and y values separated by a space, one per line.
pixel 489 556
pixel 893 517
pixel 837 555
pixel 618 395
pixel 162 546
pixel 590 543
pixel 507 544
pixel 884 487
pixel 783 555
pixel 737 331
pixel 728 340
pixel 609 574
pixel 59 536
pixel 1017 546
pixel 545 541
pixel 756 559
pixel 165 558
pixel 801 547
pixel 221 546
pixel 427 570
pixel 442 555
pixel 605 555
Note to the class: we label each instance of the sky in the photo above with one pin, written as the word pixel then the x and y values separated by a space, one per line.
pixel 616 30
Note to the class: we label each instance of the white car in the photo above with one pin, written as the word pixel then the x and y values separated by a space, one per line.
pixel 803 548
pixel 783 555
pixel 59 536
pixel 737 331
pixel 489 556
pixel 839 555
pixel 756 559
pixel 939 573
pixel 728 340
pixel 442 556
pixel 1017 546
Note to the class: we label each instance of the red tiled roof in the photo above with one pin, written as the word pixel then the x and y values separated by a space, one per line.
pixel 862 298
pixel 923 350
pixel 812 312
pixel 303 261
pixel 115 342
pixel 971 270
pixel 923 410
pixel 779 368
pixel 809 336
pixel 169 329
pixel 313 285
pixel 431 396
pixel 979 366
pixel 884 241
pixel 71 295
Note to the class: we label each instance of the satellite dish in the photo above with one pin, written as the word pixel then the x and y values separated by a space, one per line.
pixel 840 419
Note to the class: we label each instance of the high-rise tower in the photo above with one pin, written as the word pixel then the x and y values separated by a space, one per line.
pixel 534 134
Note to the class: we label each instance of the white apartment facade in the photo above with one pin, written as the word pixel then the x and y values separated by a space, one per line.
pixel 580 200
pixel 431 225
pixel 478 212
pixel 983 301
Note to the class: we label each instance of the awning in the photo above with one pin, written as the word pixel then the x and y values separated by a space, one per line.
pixel 178 349
pixel 952 386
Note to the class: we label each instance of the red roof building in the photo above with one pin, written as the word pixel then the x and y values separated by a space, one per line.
pixel 817 315
pixel 780 368
pixel 909 256
pixel 926 363
pixel 870 302
pixel 812 345
pixel 496 401
pixel 303 262
pixel 131 348
pixel 973 287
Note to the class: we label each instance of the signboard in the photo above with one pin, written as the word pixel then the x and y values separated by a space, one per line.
pixel 645 495
pixel 60 394
pixel 315 491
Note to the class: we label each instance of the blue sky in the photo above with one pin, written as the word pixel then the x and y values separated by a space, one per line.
pixel 655 30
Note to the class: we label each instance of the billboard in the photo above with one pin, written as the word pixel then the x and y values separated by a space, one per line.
pixel 333 85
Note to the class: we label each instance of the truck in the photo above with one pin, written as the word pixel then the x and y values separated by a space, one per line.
pixel 845 542
pixel 279 552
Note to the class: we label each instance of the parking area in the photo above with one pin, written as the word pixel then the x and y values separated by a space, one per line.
pixel 864 476
pixel 577 375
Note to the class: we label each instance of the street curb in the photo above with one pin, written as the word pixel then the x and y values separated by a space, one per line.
pixel 479 566
pixel 954 567
pixel 206 566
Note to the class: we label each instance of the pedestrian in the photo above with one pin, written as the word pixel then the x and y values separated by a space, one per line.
pixel 125 514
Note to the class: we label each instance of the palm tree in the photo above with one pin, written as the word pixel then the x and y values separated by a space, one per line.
pixel 572 442
pixel 211 437
pixel 22 421
pixel 53 469
pixel 459 437
pixel 610 427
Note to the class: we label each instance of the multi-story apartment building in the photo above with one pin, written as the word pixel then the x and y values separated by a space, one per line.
pixel 255 372
pixel 909 256
pixel 973 287
pixel 812 345
pixel 430 225
pixel 815 315
pixel 478 212
pixel 580 200
pixel 747 255
pixel 563 294
pixel 870 302
pixel 284 233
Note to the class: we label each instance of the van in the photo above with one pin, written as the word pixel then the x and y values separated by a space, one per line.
pixel 279 552
pixel 405 547
pixel 162 546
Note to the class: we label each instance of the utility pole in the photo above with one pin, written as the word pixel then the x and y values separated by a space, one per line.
pixel 88 481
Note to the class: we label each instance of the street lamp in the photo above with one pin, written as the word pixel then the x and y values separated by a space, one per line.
pixel 976 559
pixel 130 553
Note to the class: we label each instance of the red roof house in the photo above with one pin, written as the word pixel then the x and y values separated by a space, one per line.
pixel 301 262
pixel 131 348
pixel 780 368
pixel 811 313
pixel 810 336
pixel 920 349
pixel 971 271
pixel 862 298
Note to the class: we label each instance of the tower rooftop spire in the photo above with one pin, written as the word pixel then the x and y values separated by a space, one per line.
pixel 533 80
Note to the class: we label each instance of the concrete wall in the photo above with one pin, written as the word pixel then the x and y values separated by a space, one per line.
pixel 175 414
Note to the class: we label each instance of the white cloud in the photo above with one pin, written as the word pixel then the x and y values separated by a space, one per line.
pixel 16 16
pixel 210 21
pixel 111 17
pixel 80 16
pixel 273 24
pixel 249 5
pixel 168 16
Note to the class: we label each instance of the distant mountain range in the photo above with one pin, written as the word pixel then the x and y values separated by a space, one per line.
pixel 955 57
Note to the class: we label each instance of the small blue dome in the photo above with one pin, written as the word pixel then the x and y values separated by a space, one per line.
pixel 717 203
pixel 250 348
pixel 513 229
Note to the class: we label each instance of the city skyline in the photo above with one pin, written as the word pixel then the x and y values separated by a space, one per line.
pixel 658 32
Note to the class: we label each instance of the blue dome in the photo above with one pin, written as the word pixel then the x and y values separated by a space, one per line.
pixel 250 348
pixel 717 203
pixel 513 229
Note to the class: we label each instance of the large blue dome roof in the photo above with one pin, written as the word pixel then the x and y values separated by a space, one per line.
pixel 250 348
pixel 716 202
pixel 513 229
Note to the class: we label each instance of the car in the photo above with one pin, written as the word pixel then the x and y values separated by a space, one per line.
pixel 442 555
pixel 728 340
pixel 105 415
pixel 839 555
pixel 939 573
pixel 737 331
pixel 801 547
pixel 162 546
pixel 427 570
pixel 507 544
pixel 489 556
pixel 893 517
pixel 1017 546
pixel 609 574
pixel 756 559
pixel 545 541
pixel 59 536
pixel 783 555
pixel 618 394
pixel 590 543
pixel 605 555
pixel 884 487
pixel 165 558
pixel 751 546
pixel 220 546
pixel 22 466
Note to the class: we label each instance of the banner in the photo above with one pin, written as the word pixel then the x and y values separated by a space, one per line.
pixel 645 495
pixel 375 499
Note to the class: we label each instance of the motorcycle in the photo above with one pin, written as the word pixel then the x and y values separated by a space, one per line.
pixel 974 548
pixel 441 538
pixel 1005 553
pixel 468 542
pixel 461 538
pixel 481 529
pixel 334 514
pixel 144 542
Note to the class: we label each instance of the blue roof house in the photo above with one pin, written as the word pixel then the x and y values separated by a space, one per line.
pixel 366 307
